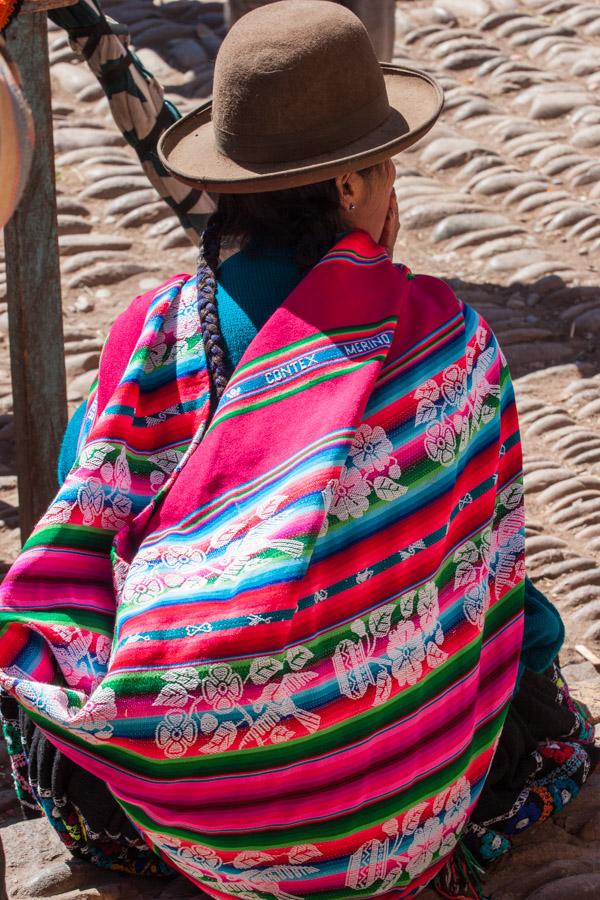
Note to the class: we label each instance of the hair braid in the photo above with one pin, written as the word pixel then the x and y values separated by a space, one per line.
pixel 216 355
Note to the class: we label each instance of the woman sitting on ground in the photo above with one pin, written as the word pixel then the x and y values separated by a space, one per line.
pixel 277 606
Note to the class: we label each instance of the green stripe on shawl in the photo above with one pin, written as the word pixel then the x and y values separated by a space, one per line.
pixel 275 396
pixel 72 537
pixel 92 621
pixel 340 827
pixel 266 757
pixel 334 333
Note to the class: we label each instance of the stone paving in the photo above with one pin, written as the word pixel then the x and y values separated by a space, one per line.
pixel 502 199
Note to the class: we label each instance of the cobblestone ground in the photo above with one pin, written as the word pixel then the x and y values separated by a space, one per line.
pixel 502 200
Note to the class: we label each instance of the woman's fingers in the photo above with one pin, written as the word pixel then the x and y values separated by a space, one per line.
pixel 392 225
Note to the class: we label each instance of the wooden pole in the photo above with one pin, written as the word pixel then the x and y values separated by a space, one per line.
pixel 33 291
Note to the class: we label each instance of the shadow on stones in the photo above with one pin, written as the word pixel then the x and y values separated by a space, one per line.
pixel 9 514
pixel 539 325
pixel 7 449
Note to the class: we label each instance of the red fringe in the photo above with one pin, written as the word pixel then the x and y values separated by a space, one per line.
pixel 460 879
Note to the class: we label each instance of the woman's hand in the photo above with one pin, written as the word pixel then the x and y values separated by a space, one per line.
pixel 391 226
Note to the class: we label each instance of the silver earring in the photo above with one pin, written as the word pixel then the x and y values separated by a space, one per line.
pixel 351 206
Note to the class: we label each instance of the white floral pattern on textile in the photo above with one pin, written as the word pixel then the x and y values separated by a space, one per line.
pixel 82 655
pixel 258 872
pixel 250 544
pixel 414 637
pixel 198 857
pixel 222 687
pixel 72 649
pixel 457 405
pixel 476 604
pixel 163 354
pixel 371 473
pixel 241 547
pixel 471 575
pixel 95 717
pixel 53 702
pixel 350 495
pixel 167 460
pixel 155 355
pixel 457 804
pixel 176 733
pixel 215 709
pixel 507 545
pixel 183 559
pixel 177 687
pixel 406 649
pixel 497 561
pixel 412 843
pixel 141 591
pixel 103 495
pixel 440 443
pixel 426 843
pixel 371 448
pixel 103 648
pixel 183 317
pixel 454 385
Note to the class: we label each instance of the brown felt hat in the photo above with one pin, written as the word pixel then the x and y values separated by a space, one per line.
pixel 299 97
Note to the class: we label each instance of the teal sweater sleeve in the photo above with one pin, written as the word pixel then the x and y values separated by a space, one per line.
pixel 543 633
pixel 68 448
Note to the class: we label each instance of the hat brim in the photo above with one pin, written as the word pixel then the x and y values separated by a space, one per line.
pixel 188 150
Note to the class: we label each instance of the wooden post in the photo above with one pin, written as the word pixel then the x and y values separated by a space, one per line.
pixel 33 291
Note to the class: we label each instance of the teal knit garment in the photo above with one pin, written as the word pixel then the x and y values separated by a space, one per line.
pixel 250 288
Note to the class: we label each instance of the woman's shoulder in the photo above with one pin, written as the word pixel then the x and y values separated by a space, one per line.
pixel 432 315
pixel 428 304
pixel 431 293
pixel 435 300
pixel 135 314
pixel 125 333
pixel 129 324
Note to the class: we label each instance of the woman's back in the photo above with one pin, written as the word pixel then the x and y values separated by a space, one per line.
pixel 291 686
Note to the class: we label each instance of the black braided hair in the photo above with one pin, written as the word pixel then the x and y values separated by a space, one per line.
pixel 218 365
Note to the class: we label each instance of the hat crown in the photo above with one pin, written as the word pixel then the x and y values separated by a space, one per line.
pixel 296 79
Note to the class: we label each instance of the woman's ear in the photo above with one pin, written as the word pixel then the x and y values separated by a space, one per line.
pixel 347 189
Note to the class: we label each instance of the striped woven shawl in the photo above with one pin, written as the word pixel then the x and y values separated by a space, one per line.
pixel 287 641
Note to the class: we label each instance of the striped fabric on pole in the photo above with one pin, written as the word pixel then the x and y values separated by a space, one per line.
pixel 136 102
